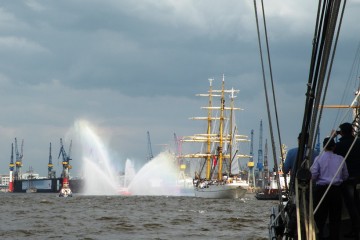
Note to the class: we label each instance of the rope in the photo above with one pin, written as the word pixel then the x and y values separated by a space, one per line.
pixel 262 69
pixel 319 72
pixel 266 94
pixel 297 208
pixel 275 104
pixel 311 219
pixel 302 215
pixel 331 63
pixel 322 58
pixel 323 64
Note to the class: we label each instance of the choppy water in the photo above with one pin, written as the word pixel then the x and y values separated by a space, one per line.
pixel 46 216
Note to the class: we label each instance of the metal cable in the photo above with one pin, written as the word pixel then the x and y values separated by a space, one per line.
pixel 275 108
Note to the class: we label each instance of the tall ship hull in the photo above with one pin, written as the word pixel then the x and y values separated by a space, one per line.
pixel 230 191
pixel 47 185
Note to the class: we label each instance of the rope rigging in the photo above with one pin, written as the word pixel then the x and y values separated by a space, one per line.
pixel 296 219
pixel 320 69
pixel 266 94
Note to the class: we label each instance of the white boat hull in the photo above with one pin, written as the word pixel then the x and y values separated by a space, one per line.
pixel 230 191
pixel 65 192
pixel 31 190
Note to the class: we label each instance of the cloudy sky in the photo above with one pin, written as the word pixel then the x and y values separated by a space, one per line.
pixel 128 67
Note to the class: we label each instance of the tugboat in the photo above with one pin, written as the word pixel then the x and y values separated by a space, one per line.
pixel 65 190
pixel 271 191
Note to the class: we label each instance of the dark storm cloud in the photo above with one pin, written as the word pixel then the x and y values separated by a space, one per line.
pixel 86 45
pixel 135 66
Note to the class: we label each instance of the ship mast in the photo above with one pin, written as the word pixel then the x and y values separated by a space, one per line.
pixel 231 132
pixel 212 159
pixel 220 147
pixel 208 152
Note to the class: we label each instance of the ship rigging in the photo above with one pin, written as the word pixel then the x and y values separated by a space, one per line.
pixel 295 218
pixel 219 180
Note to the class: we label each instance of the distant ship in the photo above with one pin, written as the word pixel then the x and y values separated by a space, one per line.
pixel 275 186
pixel 272 191
pixel 218 174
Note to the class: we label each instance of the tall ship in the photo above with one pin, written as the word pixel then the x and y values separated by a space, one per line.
pixel 218 173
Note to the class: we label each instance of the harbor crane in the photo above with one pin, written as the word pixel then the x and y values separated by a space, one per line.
pixel 260 164
pixel 11 167
pixel 266 164
pixel 150 154
pixel 51 172
pixel 260 151
pixel 18 161
pixel 250 164
pixel 177 145
pixel 177 152
pixel 66 163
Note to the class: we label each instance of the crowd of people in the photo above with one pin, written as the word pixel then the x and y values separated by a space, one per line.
pixel 335 173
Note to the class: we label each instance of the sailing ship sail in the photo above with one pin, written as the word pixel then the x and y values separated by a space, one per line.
pixel 221 155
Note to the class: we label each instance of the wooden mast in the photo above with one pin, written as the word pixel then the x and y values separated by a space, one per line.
pixel 220 148
pixel 208 158
pixel 218 138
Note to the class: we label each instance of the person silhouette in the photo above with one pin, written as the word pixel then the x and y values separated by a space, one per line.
pixel 325 173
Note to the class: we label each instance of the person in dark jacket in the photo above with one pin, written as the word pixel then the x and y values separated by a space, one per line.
pixel 349 192
pixel 290 160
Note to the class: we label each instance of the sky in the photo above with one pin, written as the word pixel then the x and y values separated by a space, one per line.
pixel 132 67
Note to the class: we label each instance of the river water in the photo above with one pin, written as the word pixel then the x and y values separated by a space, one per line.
pixel 46 216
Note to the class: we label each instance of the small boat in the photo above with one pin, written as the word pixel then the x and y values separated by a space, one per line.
pixel 65 192
pixel 125 179
pixel 184 183
pixel 271 191
pixel 31 190
pixel 270 194
pixel 30 185
pixel 124 191
pixel 218 175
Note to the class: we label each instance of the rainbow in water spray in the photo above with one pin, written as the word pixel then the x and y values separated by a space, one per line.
pixel 100 177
